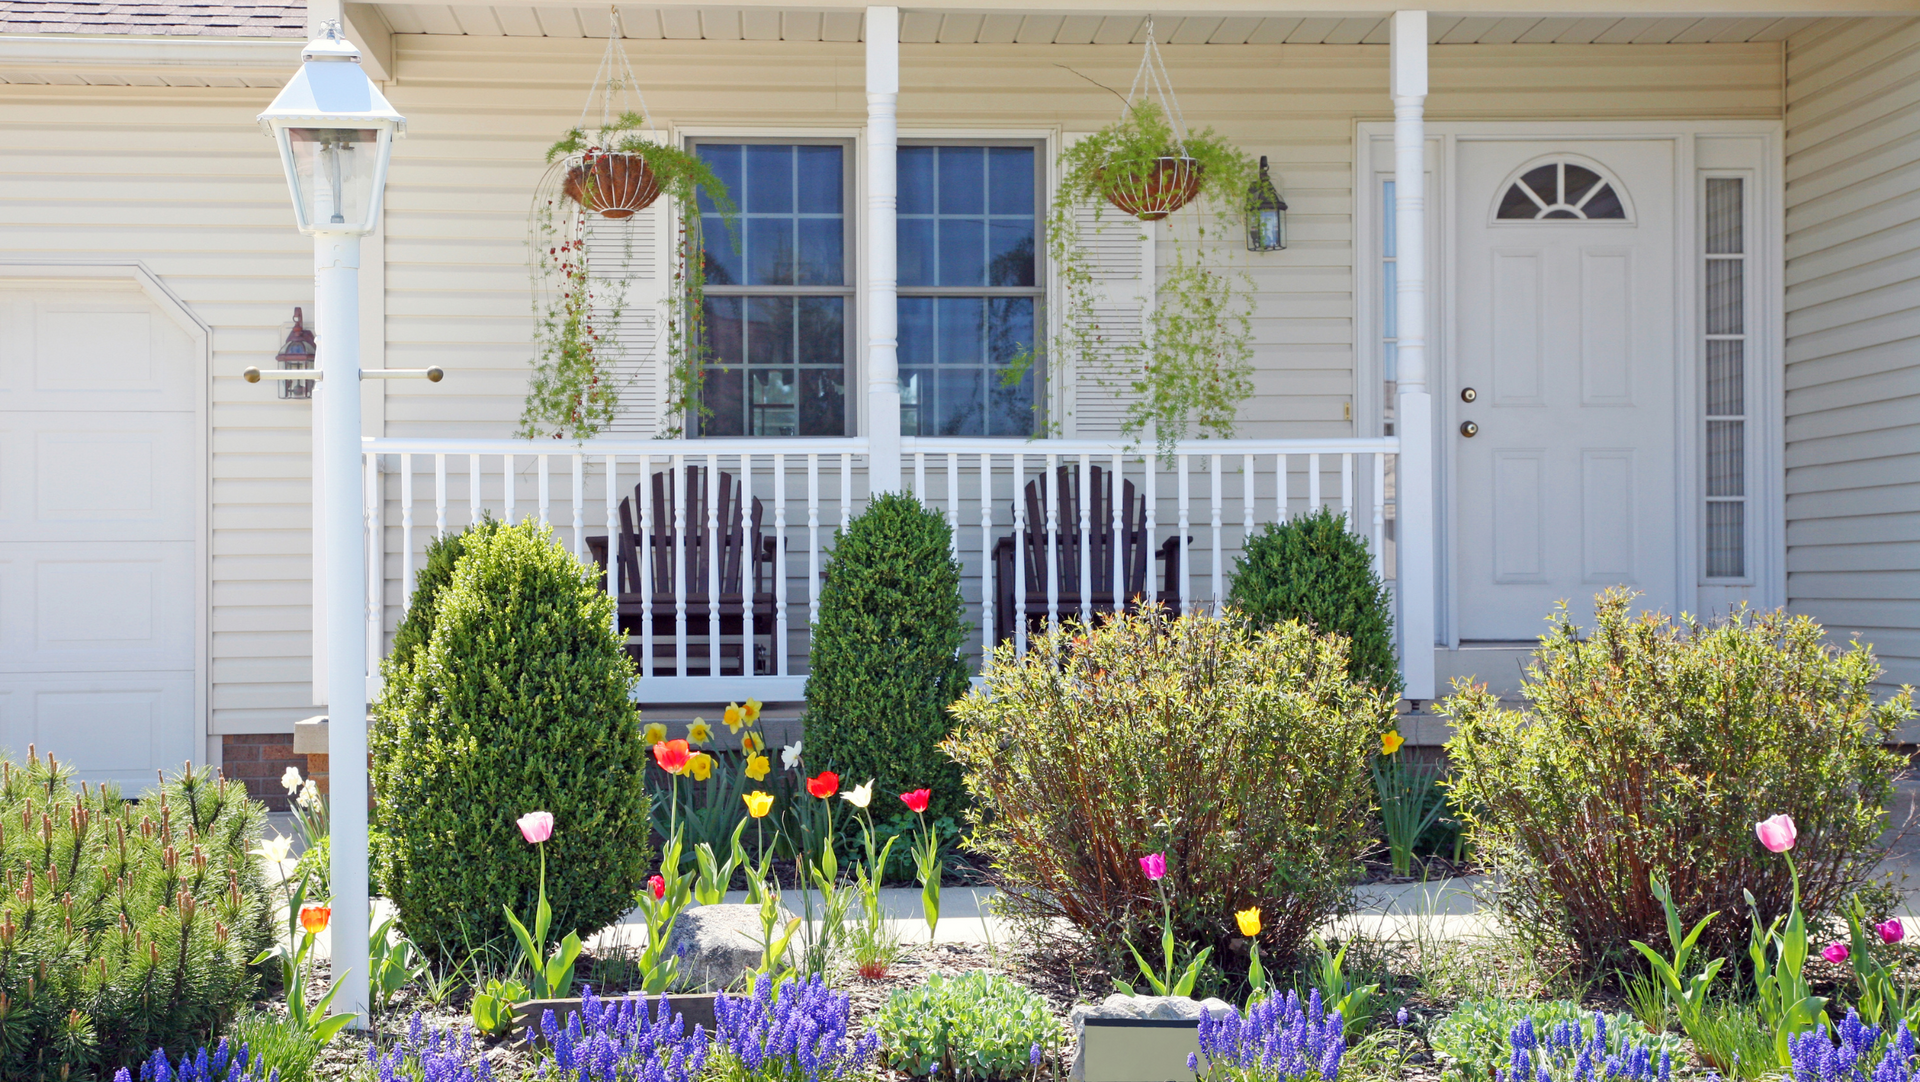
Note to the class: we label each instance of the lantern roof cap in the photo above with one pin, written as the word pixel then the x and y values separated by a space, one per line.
pixel 330 89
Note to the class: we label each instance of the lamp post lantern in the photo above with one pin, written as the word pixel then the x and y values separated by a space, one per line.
pixel 335 132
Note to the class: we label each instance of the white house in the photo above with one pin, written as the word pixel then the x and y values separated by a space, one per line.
pixel 1671 303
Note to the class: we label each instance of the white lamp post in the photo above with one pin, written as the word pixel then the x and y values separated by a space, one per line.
pixel 335 132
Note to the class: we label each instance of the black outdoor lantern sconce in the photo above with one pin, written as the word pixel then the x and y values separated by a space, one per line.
pixel 1266 214
pixel 297 353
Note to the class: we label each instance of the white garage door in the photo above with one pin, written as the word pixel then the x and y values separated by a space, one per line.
pixel 99 568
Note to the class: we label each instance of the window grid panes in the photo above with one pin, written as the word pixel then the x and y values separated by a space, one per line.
pixel 1724 397
pixel 970 287
pixel 779 291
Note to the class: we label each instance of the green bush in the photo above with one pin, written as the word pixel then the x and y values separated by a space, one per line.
pixel 123 926
pixel 976 1026
pixel 1240 753
pixel 1474 1037
pixel 517 702
pixel 1314 570
pixel 886 655
pixel 1654 746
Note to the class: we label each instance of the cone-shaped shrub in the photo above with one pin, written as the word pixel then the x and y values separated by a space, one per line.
pixel 517 703
pixel 123 926
pixel 1312 569
pixel 886 654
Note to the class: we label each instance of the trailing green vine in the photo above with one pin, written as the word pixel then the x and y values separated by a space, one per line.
pixel 574 390
pixel 1190 368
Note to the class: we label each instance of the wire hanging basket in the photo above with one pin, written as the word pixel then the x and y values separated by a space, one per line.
pixel 1173 180
pixel 611 183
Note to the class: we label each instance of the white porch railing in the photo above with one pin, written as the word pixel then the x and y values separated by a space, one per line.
pixel 708 642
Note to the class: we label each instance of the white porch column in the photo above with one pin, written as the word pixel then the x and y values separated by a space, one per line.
pixel 883 139
pixel 1414 492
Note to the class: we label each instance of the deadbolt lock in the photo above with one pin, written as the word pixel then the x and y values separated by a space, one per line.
pixel 1469 429
pixel 1468 394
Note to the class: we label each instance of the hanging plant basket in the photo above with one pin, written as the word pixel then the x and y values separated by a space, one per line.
pixel 1151 194
pixel 611 184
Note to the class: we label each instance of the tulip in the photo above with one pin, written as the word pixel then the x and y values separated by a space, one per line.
pixel 314 918
pixel 1777 832
pixel 1891 930
pixel 1835 953
pixel 916 801
pixel 860 795
pixel 700 765
pixel 276 850
pixel 536 826
pixel 824 785
pixel 1155 865
pixel 758 803
pixel 658 886
pixel 672 755
pixel 1249 921
pixel 1390 741
pixel 758 766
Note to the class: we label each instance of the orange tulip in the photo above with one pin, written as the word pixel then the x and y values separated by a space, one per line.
pixel 314 918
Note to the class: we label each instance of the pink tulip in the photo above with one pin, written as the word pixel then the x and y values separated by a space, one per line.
pixel 536 827
pixel 1155 865
pixel 1835 953
pixel 1777 833
pixel 1891 930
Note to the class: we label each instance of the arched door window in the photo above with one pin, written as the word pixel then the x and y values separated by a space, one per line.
pixel 1562 189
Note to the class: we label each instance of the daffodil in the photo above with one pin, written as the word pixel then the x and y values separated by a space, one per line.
pixel 699 732
pixel 734 717
pixel 758 766
pixel 790 755
pixel 751 710
pixel 758 803
pixel 1249 921
pixel 654 733
pixel 309 795
pixel 290 780
pixel 753 743
pixel 700 765
pixel 1390 741
pixel 860 795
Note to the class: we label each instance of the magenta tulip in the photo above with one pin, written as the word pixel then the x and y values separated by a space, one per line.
pixel 1835 953
pixel 536 827
pixel 1891 930
pixel 1777 833
pixel 1155 865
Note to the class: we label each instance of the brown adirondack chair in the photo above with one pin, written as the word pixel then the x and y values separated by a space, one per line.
pixel 1030 597
pixel 742 556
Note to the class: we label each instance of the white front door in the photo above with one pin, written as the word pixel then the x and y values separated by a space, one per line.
pixel 1565 377
pixel 99 573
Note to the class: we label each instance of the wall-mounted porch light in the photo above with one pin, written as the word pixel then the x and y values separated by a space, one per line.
pixel 1266 214
pixel 296 354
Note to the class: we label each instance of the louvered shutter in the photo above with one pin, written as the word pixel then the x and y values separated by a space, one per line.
pixel 630 258
pixel 1097 377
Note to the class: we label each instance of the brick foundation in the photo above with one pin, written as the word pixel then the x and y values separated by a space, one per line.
pixel 259 759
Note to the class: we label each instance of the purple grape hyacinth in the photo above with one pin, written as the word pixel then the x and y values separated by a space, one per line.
pixel 614 1040
pixel 222 1064
pixel 1816 1058
pixel 430 1056
pixel 1278 1040
pixel 799 1031
pixel 1570 1052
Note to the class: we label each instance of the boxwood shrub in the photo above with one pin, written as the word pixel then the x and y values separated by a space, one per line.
pixel 1313 569
pixel 516 702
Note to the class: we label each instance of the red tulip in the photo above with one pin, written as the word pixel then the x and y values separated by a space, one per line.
pixel 658 886
pixel 672 755
pixel 824 786
pixel 917 800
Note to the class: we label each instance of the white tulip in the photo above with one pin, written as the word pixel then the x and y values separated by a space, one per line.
pixel 859 796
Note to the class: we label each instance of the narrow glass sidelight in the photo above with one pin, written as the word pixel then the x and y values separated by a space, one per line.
pixel 1724 396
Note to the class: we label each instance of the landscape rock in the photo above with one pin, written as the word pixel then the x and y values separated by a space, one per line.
pixel 719 944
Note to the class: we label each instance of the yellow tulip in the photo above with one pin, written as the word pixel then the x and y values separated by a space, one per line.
pixel 1390 741
pixel 734 717
pixel 699 732
pixel 654 733
pixel 1249 920
pixel 700 765
pixel 758 803
pixel 757 768
pixel 752 711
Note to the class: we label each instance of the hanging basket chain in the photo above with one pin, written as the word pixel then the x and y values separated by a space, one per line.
pixel 1152 77
pixel 615 74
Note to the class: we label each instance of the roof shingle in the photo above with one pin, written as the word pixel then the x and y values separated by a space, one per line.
pixel 183 18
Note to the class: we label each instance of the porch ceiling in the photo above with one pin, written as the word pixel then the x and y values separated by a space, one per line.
pixel 926 27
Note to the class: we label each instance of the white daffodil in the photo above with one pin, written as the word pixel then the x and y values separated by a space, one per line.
pixel 275 850
pixel 860 795
pixel 790 755
pixel 290 781
pixel 309 795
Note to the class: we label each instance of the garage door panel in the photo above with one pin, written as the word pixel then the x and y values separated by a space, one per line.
pixel 112 727
pixel 75 607
pixel 97 476
pixel 98 346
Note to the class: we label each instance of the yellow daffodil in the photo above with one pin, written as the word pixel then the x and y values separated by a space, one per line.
pixel 752 743
pixel 734 717
pixel 699 732
pixel 758 766
pixel 860 795
pixel 751 710
pixel 1390 741
pixel 1249 921
pixel 758 803
pixel 700 765
pixel 654 733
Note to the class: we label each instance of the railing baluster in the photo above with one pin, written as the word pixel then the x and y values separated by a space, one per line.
pixel 1053 542
pixel 679 542
pixel 613 548
pixel 1086 542
pixel 1186 542
pixel 1150 463
pixel 713 565
pixel 920 476
pixel 1247 474
pixel 1218 576
pixel 439 495
pixel 846 488
pixel 406 530
pixel 780 647
pixel 1284 510
pixel 953 504
pixel 473 490
pixel 1117 505
pixel 1313 484
pixel 1379 514
pixel 506 485
pixel 1019 613
pixel 749 582
pixel 545 518
pixel 813 543
pixel 644 557
pixel 579 507
pixel 376 570
pixel 1346 490
pixel 987 642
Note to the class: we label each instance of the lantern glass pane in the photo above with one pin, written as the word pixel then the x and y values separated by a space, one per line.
pixel 333 174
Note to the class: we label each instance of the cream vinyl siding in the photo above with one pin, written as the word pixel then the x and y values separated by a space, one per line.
pixel 1853 333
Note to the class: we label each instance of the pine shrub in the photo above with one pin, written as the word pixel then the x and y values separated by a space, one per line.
pixel 1653 745
pixel 124 926
pixel 886 654
pixel 1314 570
pixel 1239 753
pixel 517 702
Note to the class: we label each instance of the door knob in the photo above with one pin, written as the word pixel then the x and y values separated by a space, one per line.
pixel 1468 394
pixel 1469 429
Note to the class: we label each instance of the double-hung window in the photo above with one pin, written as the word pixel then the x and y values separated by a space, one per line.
pixel 779 295
pixel 971 289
